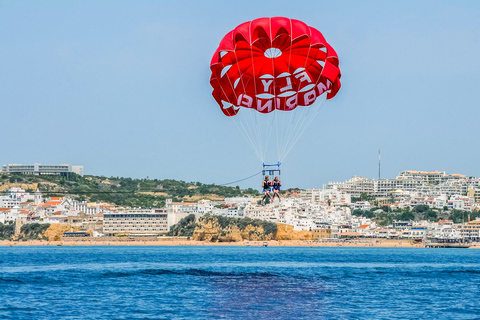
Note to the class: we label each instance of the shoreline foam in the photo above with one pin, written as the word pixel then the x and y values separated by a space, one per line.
pixel 272 243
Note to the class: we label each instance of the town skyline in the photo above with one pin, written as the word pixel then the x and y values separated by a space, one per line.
pixel 415 205
pixel 65 169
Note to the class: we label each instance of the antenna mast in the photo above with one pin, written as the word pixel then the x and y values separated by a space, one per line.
pixel 379 162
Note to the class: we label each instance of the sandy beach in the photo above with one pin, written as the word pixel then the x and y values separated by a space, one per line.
pixel 378 243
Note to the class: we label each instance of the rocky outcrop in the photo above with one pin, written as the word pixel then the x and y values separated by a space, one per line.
pixel 210 230
pixel 286 232
pixel 56 230
pixel 223 229
pixel 207 231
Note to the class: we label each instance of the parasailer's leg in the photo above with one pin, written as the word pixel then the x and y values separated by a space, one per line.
pixel 276 194
pixel 266 193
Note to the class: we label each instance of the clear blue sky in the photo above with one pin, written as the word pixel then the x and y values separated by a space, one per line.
pixel 122 87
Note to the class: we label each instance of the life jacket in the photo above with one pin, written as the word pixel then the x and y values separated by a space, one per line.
pixel 266 184
pixel 276 184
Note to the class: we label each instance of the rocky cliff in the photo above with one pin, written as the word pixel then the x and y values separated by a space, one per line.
pixel 56 230
pixel 211 228
pixel 286 232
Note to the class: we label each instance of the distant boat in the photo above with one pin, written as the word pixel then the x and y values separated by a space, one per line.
pixel 265 244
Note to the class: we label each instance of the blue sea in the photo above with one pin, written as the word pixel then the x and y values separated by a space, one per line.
pixel 133 282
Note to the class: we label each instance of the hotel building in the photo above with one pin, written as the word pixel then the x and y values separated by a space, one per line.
pixel 40 169
pixel 140 222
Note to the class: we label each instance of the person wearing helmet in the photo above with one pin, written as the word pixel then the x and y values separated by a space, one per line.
pixel 276 184
pixel 266 185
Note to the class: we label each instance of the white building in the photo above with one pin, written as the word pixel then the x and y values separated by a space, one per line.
pixel 471 230
pixel 82 206
pixel 178 210
pixel 230 212
pixel 39 169
pixel 445 229
pixel 422 183
pixel 141 222
pixel 415 233
pixel 362 205
pixel 3 214
pixel 14 196
pixel 239 201
pixel 332 196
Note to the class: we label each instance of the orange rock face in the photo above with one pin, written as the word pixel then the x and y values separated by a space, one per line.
pixel 56 230
pixel 286 232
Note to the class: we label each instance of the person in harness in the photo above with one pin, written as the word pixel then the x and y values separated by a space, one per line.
pixel 266 185
pixel 276 184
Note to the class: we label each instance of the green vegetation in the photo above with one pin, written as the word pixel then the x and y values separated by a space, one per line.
pixel 33 231
pixel 242 223
pixel 459 216
pixel 7 230
pixel 125 191
pixel 421 212
pixel 363 197
pixel 186 226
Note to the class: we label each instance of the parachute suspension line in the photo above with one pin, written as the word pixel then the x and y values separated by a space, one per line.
pixel 275 111
pixel 258 133
pixel 269 134
pixel 249 122
pixel 251 116
pixel 257 126
pixel 259 138
pixel 277 134
pixel 298 122
pixel 289 132
pixel 300 133
pixel 245 132
pixel 249 134
pixel 286 131
pixel 251 131
pixel 299 127
pixel 301 114
pixel 306 123
pixel 246 136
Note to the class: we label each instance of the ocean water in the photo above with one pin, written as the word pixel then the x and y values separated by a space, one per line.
pixel 135 282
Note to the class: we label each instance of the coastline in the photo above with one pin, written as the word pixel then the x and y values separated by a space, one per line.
pixel 384 243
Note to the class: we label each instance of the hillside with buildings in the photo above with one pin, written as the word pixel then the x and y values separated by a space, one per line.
pixel 414 205
pixel 117 190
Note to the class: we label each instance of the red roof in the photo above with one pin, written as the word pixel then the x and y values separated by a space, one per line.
pixel 51 203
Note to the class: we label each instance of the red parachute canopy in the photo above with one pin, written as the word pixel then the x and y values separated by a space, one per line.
pixel 273 64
